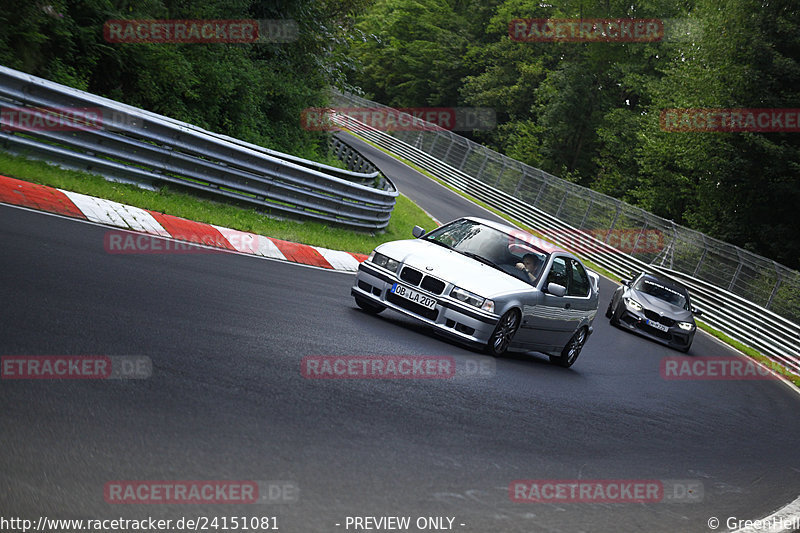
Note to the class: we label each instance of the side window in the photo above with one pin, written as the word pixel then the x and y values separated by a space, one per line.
pixel 558 272
pixel 579 280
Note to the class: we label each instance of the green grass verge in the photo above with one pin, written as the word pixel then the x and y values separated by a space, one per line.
pixel 747 350
pixel 750 352
pixel 405 215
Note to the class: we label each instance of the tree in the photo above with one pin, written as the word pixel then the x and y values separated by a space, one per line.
pixel 739 187
pixel 411 53
pixel 256 92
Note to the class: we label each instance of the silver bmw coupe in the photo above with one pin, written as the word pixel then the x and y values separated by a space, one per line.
pixel 487 285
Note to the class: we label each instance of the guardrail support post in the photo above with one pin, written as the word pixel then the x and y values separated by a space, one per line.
pixel 776 287
pixel 500 175
pixel 736 274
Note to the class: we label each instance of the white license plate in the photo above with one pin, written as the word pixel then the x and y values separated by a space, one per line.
pixel 414 296
pixel 657 325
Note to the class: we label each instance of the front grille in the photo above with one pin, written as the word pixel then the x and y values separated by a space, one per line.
pixel 430 314
pixel 414 277
pixel 432 285
pixel 410 275
pixel 652 315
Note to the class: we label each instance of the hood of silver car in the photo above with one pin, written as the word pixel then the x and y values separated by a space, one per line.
pixel 453 267
pixel 660 306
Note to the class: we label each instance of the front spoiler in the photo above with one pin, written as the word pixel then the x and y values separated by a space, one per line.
pixel 635 323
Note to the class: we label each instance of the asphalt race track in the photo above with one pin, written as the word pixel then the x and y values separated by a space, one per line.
pixel 226 334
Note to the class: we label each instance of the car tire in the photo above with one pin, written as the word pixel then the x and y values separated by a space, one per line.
pixel 686 350
pixel 572 350
pixel 503 333
pixel 614 317
pixel 368 306
pixel 609 311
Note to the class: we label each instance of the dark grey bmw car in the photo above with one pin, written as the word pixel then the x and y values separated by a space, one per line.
pixel 656 308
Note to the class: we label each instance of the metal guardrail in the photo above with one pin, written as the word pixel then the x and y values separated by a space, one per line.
pixel 137 146
pixel 737 317
pixel 351 157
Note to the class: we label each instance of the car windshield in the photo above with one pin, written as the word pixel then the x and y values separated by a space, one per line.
pixel 513 253
pixel 662 292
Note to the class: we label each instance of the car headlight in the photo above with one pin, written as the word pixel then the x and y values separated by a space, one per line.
pixel 472 299
pixel 633 304
pixel 467 297
pixel 384 261
pixel 688 326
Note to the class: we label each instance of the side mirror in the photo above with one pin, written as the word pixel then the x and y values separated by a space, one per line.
pixel 696 311
pixel 417 232
pixel 625 282
pixel 556 290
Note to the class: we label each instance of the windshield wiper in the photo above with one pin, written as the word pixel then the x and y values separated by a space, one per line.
pixel 440 243
pixel 483 260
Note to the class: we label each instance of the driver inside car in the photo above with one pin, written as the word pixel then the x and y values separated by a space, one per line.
pixel 531 265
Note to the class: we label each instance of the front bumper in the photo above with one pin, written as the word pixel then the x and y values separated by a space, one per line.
pixel 674 337
pixel 449 317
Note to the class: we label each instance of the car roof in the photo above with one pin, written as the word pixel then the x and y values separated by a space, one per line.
pixel 523 235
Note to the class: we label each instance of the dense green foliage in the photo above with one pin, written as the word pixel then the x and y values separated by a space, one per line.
pixel 589 112
pixel 255 92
